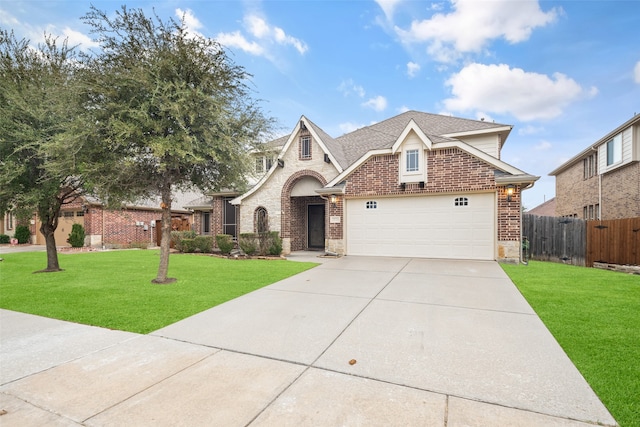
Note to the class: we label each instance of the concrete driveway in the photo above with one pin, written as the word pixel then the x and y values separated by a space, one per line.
pixel 356 341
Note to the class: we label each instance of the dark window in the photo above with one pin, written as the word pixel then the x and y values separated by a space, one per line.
pixel 461 201
pixel 206 222
pixel 67 214
pixel 305 147
pixel 229 218
pixel 371 204
pixel 262 220
pixel 80 213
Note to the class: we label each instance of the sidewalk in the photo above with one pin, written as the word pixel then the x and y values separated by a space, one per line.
pixel 355 341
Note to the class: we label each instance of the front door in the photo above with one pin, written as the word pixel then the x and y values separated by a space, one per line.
pixel 315 226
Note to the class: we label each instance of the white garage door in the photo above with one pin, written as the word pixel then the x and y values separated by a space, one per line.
pixel 451 226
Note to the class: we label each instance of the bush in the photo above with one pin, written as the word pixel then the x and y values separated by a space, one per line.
pixel 276 243
pixel 248 242
pixel 76 237
pixel 4 238
pixel 177 238
pixel 225 243
pixel 203 244
pixel 22 234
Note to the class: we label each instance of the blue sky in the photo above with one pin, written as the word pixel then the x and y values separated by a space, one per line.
pixel 563 73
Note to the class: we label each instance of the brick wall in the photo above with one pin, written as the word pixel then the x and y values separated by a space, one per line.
pixel 120 226
pixel 573 192
pixel 621 192
pixel 448 170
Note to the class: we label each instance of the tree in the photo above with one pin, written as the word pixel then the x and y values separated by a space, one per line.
pixel 38 96
pixel 173 109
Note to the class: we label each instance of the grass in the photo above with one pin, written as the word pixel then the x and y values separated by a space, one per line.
pixel 595 316
pixel 114 289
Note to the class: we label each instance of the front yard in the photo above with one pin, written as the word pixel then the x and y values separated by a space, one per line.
pixel 595 316
pixel 114 290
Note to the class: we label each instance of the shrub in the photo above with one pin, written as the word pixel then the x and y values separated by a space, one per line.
pixel 248 242
pixel 187 246
pixel 276 243
pixel 177 238
pixel 22 234
pixel 225 243
pixel 203 244
pixel 4 238
pixel 76 237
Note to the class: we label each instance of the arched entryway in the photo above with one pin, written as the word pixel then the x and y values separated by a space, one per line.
pixel 303 211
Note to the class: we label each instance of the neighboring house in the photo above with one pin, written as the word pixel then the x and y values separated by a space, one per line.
pixel 547 208
pixel 418 185
pixel 134 224
pixel 603 181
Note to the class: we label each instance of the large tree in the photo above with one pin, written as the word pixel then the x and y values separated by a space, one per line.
pixel 173 109
pixel 38 100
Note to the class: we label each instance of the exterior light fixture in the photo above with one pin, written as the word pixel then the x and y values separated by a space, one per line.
pixel 333 199
pixel 510 189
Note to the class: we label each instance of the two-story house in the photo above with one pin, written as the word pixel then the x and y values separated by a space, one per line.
pixel 417 184
pixel 602 181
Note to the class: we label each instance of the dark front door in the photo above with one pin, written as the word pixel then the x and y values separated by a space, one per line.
pixel 315 226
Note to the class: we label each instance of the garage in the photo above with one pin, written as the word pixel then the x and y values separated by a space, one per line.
pixel 438 226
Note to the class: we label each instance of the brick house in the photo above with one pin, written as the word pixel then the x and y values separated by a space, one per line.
pixel 417 184
pixel 134 224
pixel 603 181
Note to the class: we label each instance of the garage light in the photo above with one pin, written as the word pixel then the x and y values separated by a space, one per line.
pixel 333 199
pixel 510 188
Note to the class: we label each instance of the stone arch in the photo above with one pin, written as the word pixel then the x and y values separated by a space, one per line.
pixel 285 198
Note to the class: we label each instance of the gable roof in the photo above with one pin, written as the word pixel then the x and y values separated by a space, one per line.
pixel 590 149
pixel 547 208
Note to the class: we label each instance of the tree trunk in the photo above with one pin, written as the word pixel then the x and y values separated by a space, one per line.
pixel 165 241
pixel 48 229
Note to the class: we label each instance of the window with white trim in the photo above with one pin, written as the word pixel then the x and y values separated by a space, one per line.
pixel 305 148
pixel 413 160
pixel 461 201
pixel 371 204
pixel 614 150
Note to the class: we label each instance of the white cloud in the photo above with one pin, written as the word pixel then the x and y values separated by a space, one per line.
pixel 76 38
pixel 378 103
pixel 412 69
pixel 388 7
pixel 403 109
pixel 348 87
pixel 542 146
pixel 261 39
pixel 500 89
pixel 350 127
pixel 472 24
pixel 236 39
pixel 529 130
pixel 192 23
pixel 636 73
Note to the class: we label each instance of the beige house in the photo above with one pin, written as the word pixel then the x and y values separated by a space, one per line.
pixel 603 181
pixel 417 184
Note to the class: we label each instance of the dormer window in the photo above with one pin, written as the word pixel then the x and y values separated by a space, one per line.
pixel 413 160
pixel 305 148
pixel 263 164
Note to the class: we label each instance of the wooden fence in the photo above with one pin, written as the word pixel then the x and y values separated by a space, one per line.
pixel 614 241
pixel 555 239
pixel 579 242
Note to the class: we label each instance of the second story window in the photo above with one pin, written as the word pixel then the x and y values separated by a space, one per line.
pixel 305 148
pixel 614 150
pixel 263 164
pixel 590 166
pixel 413 162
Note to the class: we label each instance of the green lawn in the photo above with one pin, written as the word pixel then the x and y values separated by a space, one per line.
pixel 595 316
pixel 114 289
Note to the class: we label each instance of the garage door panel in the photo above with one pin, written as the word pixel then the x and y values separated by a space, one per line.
pixel 430 226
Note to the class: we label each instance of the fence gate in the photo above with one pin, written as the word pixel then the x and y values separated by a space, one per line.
pixel 556 239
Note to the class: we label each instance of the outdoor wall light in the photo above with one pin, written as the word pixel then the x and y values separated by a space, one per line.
pixel 333 199
pixel 510 189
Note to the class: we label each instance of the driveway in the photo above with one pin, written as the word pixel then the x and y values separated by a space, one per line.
pixel 354 341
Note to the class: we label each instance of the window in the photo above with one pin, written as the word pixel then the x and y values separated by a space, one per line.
pixel 9 221
pixel 80 213
pixel 67 214
pixel 614 150
pixel 206 222
pixel 229 218
pixel 261 220
pixel 305 148
pixel 461 201
pixel 590 166
pixel 263 164
pixel 371 204
pixel 413 162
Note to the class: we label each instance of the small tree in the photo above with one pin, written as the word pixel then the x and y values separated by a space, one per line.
pixel 76 237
